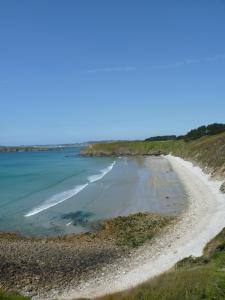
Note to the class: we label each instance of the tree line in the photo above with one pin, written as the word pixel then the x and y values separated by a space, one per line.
pixel 193 134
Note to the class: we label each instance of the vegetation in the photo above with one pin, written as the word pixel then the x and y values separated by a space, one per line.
pixel 132 148
pixel 211 129
pixel 133 230
pixel 192 279
pixel 161 138
pixel 11 296
pixel 193 134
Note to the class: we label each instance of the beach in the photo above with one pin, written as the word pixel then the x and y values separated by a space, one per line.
pixel 101 262
pixel 203 219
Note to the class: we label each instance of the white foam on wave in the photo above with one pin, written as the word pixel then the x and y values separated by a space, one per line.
pixel 102 173
pixel 63 196
pixel 56 199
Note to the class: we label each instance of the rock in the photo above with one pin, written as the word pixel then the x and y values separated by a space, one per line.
pixel 222 188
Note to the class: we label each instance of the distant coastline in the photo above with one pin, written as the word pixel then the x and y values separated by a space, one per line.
pixel 39 147
pixel 24 149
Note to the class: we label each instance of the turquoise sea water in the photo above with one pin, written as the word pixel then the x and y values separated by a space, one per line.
pixel 60 192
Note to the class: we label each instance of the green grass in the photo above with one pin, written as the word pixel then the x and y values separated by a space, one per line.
pixel 192 279
pixel 201 283
pixel 11 296
pixel 132 147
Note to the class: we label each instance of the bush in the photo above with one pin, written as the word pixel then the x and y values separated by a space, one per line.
pixel 161 138
pixel 211 129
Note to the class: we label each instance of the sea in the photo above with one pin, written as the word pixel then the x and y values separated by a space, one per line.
pixel 60 192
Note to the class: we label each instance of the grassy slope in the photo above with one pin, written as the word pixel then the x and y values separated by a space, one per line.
pixel 208 151
pixel 11 296
pixel 192 279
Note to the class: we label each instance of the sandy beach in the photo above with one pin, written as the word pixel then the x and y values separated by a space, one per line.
pixel 202 220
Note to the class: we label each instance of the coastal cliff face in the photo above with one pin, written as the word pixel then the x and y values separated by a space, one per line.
pixel 207 152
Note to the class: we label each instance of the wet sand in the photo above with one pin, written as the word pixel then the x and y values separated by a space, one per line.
pixel 134 185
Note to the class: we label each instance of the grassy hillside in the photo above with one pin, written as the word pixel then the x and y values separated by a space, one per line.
pixel 191 279
pixel 208 151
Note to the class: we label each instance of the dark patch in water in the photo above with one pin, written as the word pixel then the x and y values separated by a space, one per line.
pixel 78 218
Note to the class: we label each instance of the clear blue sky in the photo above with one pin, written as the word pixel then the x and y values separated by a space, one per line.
pixel 79 70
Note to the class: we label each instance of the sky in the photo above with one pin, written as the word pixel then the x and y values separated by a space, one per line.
pixel 79 70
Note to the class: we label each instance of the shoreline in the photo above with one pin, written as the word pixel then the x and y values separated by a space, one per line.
pixel 92 265
pixel 203 219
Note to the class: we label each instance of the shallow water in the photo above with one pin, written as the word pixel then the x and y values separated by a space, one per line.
pixel 61 192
